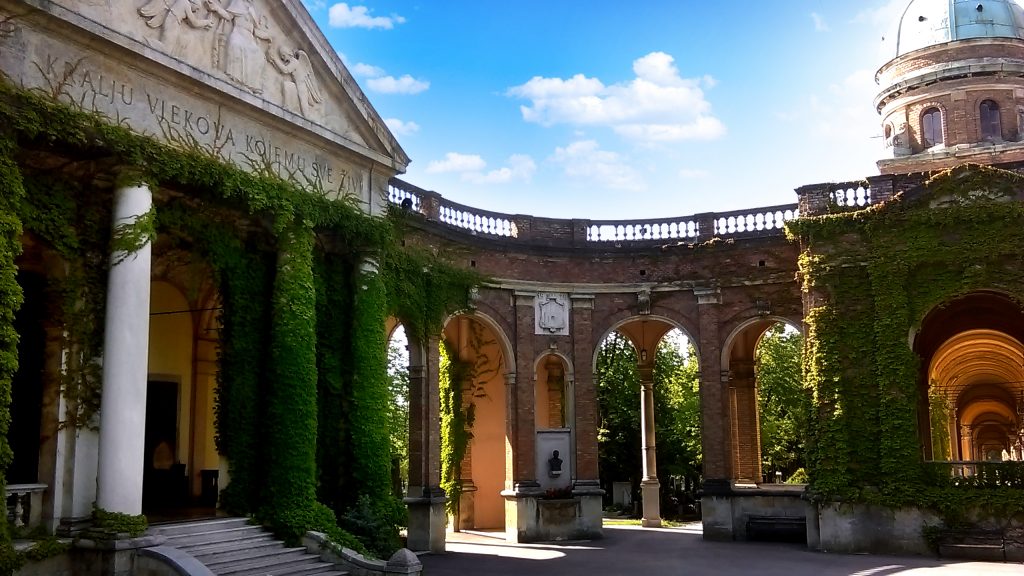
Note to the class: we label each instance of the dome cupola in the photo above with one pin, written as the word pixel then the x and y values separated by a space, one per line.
pixel 952 90
pixel 926 23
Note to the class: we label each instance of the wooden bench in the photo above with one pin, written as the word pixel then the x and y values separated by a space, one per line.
pixel 973 544
pixel 777 528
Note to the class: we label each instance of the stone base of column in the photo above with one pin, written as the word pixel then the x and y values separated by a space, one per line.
pixel 427 522
pixel 467 507
pixel 716 518
pixel 651 492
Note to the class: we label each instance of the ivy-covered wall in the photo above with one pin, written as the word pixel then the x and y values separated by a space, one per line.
pixel 302 349
pixel 870 277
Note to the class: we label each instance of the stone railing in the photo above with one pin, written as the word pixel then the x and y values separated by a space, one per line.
pixel 976 474
pixel 752 223
pixel 25 504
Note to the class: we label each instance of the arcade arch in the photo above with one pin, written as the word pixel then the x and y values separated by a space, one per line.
pixel 645 334
pixel 476 341
pixel 972 381
pixel 740 362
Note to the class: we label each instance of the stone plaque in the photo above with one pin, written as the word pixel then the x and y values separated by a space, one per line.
pixel 552 314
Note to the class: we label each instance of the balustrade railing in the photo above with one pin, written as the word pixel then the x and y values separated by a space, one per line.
pixel 755 222
pixel 976 474
pixel 682 228
pixel 25 504
pixel 851 194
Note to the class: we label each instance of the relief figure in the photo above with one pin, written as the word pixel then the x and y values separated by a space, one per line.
pixel 170 16
pixel 237 50
pixel 299 90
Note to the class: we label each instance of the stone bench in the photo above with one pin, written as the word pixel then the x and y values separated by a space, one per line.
pixel 777 528
pixel 972 544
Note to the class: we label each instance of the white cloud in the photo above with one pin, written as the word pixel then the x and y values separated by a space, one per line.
pixel 315 5
pixel 657 105
pixel 819 22
pixel 693 174
pixel 584 160
pixel 342 15
pixel 379 81
pixel 401 128
pixel 520 168
pixel 405 84
pixel 367 70
pixel 455 162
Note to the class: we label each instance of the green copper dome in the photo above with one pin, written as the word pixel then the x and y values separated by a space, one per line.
pixel 927 23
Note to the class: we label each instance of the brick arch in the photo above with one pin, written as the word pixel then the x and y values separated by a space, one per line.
pixel 743 325
pixel 496 327
pixel 615 321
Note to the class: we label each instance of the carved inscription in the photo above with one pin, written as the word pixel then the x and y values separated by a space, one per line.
pixel 179 122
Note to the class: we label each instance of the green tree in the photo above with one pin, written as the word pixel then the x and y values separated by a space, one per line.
pixel 676 411
pixel 398 420
pixel 783 402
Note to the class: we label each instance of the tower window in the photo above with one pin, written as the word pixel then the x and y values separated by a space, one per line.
pixel 931 127
pixel 991 124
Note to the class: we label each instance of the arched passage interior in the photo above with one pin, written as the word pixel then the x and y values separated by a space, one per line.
pixel 972 381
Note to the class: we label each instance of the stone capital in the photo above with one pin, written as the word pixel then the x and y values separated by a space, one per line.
pixel 708 295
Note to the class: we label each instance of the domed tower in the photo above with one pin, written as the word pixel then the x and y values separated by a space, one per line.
pixel 953 91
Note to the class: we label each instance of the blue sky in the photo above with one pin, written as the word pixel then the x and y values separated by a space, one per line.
pixel 606 109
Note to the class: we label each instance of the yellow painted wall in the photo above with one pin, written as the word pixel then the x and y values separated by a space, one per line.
pixel 488 444
pixel 170 355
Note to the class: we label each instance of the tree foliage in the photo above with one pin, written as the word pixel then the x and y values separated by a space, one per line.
pixel 676 407
pixel 783 404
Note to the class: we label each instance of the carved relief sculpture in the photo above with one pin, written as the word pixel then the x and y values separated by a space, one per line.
pixel 237 49
pixel 170 16
pixel 299 90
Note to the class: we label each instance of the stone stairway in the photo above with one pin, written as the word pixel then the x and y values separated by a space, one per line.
pixel 234 547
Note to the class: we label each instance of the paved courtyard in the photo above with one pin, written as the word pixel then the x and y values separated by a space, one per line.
pixel 671 551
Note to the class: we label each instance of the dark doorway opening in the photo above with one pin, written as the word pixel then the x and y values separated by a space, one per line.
pixel 27 386
pixel 165 483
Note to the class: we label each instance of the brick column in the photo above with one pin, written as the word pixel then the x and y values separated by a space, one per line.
pixel 585 408
pixel 745 429
pixel 520 410
pixel 714 415
pixel 425 498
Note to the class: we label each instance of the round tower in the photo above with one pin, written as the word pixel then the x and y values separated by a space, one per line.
pixel 953 90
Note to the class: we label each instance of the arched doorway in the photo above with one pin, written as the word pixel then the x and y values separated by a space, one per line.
pixel 972 381
pixel 474 359
pixel 652 357
pixel 762 361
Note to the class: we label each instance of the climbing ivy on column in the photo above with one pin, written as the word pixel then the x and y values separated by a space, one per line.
pixel 456 423
pixel 11 194
pixel 289 494
pixel 371 446
pixel 333 277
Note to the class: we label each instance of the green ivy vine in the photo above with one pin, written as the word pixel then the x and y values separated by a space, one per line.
pixel 871 276
pixel 302 349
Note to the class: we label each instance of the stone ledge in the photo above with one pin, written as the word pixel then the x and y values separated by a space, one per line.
pixel 181 562
pixel 401 562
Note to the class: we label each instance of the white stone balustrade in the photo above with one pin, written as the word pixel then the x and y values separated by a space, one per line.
pixel 26 510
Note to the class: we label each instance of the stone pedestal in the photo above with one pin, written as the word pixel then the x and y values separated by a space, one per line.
pixel 651 491
pixel 427 522
pixel 125 362
pixel 521 512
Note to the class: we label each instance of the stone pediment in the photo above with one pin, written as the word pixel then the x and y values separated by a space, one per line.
pixel 253 80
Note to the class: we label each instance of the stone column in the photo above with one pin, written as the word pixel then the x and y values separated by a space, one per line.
pixel 125 361
pixel 966 442
pixel 649 486
pixel 425 499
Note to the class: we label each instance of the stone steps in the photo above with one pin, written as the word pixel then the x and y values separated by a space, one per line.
pixel 234 547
